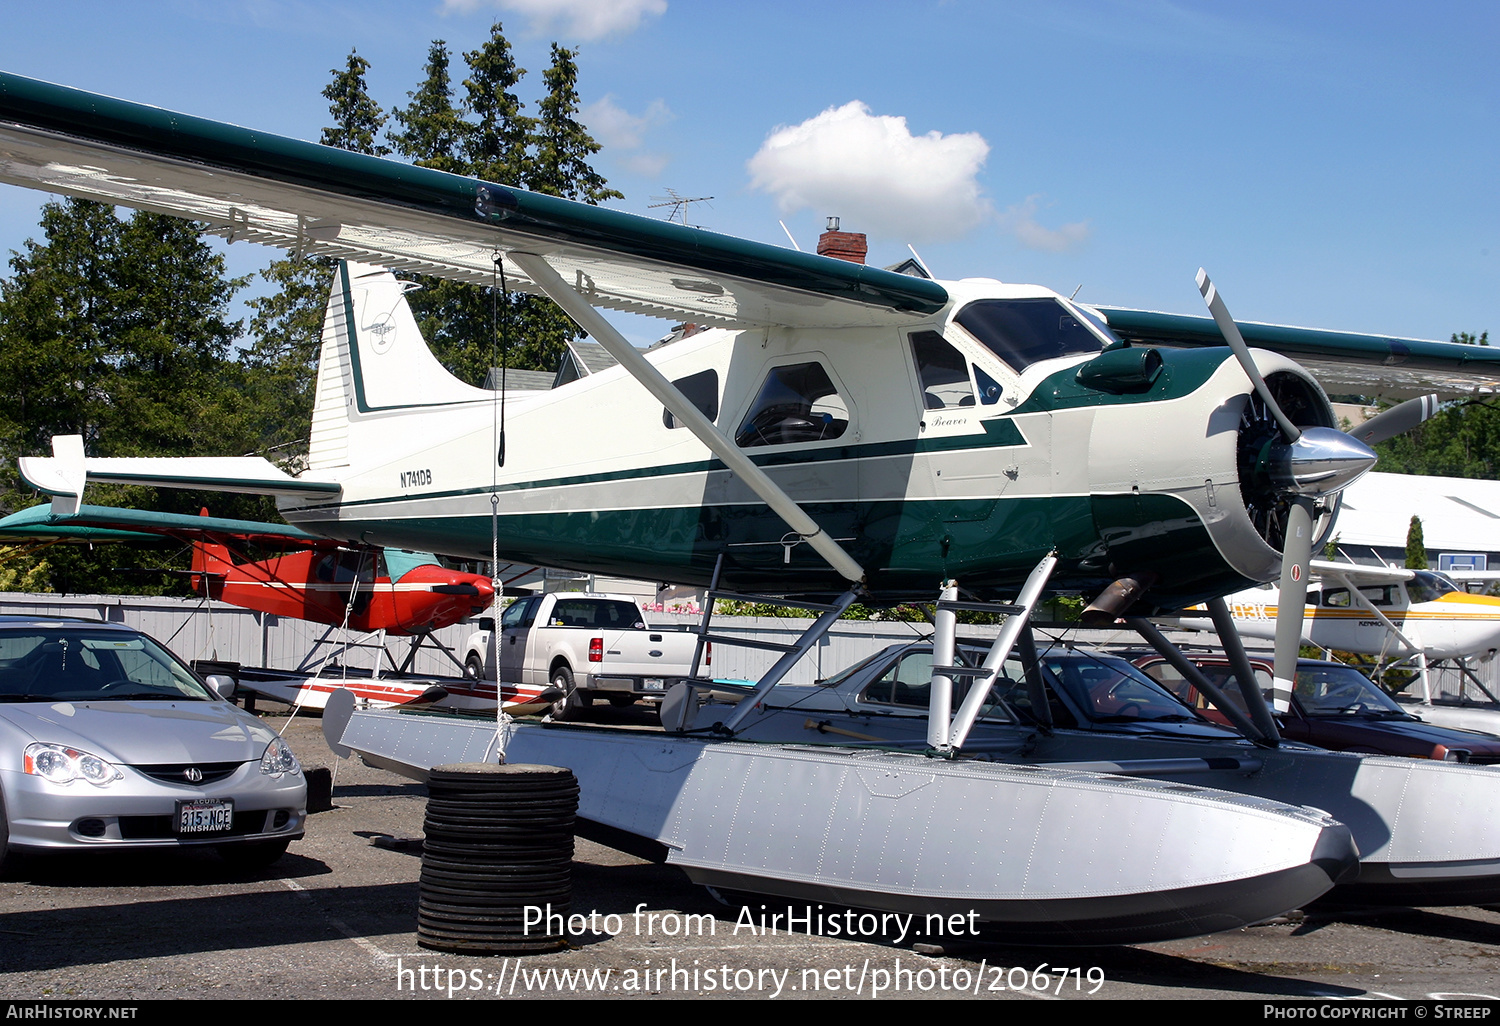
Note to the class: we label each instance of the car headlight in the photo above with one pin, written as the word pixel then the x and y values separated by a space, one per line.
pixel 278 759
pixel 63 765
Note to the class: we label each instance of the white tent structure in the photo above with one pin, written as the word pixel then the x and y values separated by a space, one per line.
pixel 1460 520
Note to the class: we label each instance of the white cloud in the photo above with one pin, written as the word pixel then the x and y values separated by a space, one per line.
pixel 573 19
pixel 1021 221
pixel 872 172
pixel 623 134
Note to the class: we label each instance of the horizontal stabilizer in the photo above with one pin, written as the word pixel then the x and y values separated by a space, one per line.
pixel 62 475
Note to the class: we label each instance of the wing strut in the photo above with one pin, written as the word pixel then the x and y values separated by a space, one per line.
pixel 579 308
pixel 1364 600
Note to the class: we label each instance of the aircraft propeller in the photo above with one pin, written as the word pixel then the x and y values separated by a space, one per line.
pixel 1293 473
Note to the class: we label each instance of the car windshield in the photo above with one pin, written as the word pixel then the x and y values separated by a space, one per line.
pixel 1110 690
pixel 1341 691
pixel 72 664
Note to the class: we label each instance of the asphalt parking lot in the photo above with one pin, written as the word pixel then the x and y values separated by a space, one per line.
pixel 336 918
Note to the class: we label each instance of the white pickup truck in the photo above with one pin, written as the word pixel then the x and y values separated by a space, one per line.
pixel 584 645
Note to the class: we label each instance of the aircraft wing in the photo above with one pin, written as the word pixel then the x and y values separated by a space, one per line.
pixel 1344 362
pixel 110 523
pixel 1359 573
pixel 319 200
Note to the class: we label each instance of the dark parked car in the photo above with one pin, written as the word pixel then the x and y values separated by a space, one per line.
pixel 108 741
pixel 1335 706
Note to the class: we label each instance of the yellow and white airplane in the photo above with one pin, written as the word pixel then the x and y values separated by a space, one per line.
pixel 1399 616
pixel 1381 611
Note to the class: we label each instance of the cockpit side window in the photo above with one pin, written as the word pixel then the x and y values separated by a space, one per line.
pixel 702 390
pixel 943 372
pixel 1024 331
pixel 796 403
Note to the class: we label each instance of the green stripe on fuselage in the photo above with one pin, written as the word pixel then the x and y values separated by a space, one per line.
pixel 908 545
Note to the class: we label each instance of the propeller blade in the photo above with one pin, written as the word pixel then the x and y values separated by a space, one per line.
pixel 1397 419
pixel 1231 333
pixel 1295 557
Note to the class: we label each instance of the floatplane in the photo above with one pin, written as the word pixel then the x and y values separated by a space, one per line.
pixel 362 593
pixel 827 432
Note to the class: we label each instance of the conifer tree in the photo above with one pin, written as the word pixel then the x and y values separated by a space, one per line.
pixel 561 166
pixel 1416 548
pixel 496 148
pixel 434 132
pixel 357 119
pixel 287 324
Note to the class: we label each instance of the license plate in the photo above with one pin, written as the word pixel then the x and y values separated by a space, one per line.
pixel 205 816
pixel 654 684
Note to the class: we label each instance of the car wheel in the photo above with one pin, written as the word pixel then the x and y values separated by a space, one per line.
pixel 473 667
pixel 7 858
pixel 622 701
pixel 573 702
pixel 253 854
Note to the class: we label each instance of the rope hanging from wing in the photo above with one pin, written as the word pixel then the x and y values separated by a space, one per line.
pixel 499 337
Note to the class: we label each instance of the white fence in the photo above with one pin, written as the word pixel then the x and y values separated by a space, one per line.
pixel 195 629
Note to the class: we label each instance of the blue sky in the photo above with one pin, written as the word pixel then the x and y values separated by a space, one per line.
pixel 1331 164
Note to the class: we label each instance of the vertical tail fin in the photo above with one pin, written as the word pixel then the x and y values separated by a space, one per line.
pixel 373 360
pixel 212 564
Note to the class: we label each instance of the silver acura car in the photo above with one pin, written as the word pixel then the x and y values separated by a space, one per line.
pixel 108 741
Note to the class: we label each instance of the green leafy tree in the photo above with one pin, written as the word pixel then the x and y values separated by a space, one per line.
pixel 1462 440
pixel 58 309
pixel 122 327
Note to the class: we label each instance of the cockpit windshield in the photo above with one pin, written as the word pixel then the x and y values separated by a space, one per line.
pixel 1024 331
pixel 1427 586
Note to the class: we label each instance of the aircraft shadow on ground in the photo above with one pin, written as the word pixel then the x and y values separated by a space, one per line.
pixel 195 923
pixel 1415 922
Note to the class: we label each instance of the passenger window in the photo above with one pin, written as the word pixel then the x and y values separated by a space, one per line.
pixel 702 390
pixel 796 403
pixel 943 372
pixel 1336 598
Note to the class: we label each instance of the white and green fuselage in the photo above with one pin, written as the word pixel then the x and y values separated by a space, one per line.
pixel 968 470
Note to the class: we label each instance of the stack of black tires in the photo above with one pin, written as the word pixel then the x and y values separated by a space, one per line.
pixel 499 839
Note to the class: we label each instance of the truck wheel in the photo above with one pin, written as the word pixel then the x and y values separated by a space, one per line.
pixel 573 702
pixel 473 667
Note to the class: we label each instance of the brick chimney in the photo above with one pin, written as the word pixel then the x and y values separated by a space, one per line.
pixel 848 246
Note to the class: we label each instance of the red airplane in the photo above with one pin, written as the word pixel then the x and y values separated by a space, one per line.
pixel 372 589
pixel 399 592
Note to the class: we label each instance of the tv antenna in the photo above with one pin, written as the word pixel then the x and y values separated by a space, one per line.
pixel 679 205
